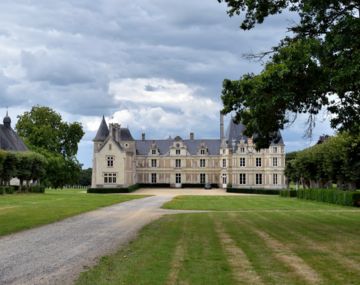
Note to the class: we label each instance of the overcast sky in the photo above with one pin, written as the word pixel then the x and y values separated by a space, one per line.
pixel 156 66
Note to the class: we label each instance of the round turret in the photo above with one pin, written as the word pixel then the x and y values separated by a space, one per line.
pixel 7 121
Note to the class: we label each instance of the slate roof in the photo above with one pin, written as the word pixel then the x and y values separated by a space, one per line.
pixel 102 132
pixel 143 146
pixel 125 135
pixel 9 140
pixel 234 132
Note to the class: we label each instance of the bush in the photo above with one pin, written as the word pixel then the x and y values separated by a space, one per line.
pixel 2 191
pixel 9 190
pixel 254 191
pixel 113 190
pixel 288 193
pixel 37 189
pixel 334 196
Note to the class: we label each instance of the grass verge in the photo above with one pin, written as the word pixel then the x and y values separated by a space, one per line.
pixel 293 242
pixel 24 211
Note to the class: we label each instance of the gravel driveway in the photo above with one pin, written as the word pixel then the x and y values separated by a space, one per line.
pixel 56 253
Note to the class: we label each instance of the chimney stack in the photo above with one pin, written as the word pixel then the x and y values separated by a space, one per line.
pixel 222 136
pixel 143 136
pixel 192 136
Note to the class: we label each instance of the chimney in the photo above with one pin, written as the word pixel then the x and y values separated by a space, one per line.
pixel 111 130
pixel 117 132
pixel 222 136
pixel 192 136
pixel 143 136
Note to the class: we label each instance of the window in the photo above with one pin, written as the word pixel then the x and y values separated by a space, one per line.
pixel 242 178
pixel 242 161
pixel 258 178
pixel 177 151
pixel 110 161
pixel 110 146
pixel 275 149
pixel 153 151
pixel 242 149
pixel 202 162
pixel 202 178
pixel 275 161
pixel 275 179
pixel 109 178
pixel 153 177
pixel 178 163
pixel 202 151
pixel 224 179
pixel 178 178
pixel 224 162
pixel 153 163
pixel 258 162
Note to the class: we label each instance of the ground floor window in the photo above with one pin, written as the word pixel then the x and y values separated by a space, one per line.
pixel 224 178
pixel 178 178
pixel 153 178
pixel 275 179
pixel 258 178
pixel 242 178
pixel 202 178
pixel 110 178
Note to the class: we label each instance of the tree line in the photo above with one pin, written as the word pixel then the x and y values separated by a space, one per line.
pixel 334 161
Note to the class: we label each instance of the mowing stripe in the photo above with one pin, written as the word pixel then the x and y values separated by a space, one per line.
pixel 176 263
pixel 242 270
pixel 284 254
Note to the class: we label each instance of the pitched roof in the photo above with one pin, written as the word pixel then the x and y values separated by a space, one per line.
pixel 125 135
pixel 9 140
pixel 143 146
pixel 102 132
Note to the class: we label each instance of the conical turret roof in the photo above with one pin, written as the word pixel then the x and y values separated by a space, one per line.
pixel 103 131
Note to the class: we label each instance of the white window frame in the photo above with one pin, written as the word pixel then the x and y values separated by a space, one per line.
pixel 224 178
pixel 275 161
pixel 202 178
pixel 224 163
pixel 275 179
pixel 178 178
pixel 153 178
pixel 242 178
pixel 177 152
pixel 110 160
pixel 110 178
pixel 202 162
pixel 153 163
pixel 258 179
pixel 178 163
pixel 242 162
pixel 258 162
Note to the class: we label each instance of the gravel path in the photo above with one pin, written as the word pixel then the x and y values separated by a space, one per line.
pixel 56 253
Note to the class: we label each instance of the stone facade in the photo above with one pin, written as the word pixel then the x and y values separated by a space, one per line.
pixel 120 161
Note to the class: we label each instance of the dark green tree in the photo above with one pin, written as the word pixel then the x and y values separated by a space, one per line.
pixel 317 67
pixel 85 177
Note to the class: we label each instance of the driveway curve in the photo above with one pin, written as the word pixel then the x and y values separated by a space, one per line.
pixel 56 253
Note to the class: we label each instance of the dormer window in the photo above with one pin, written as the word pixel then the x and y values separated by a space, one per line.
pixel 242 149
pixel 177 152
pixel 202 151
pixel 110 161
pixel 153 151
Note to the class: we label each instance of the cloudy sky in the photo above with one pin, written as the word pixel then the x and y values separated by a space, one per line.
pixel 156 66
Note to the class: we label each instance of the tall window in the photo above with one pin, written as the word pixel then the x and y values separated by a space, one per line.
pixel 258 178
pixel 258 162
pixel 153 163
pixel 110 146
pixel 242 149
pixel 224 179
pixel 202 178
pixel 153 151
pixel 153 177
pixel 275 149
pixel 242 178
pixel 275 179
pixel 177 151
pixel 109 178
pixel 275 161
pixel 242 161
pixel 178 178
pixel 202 151
pixel 178 163
pixel 224 162
pixel 202 162
pixel 110 161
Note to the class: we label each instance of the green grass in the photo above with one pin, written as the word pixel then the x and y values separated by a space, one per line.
pixel 23 211
pixel 275 240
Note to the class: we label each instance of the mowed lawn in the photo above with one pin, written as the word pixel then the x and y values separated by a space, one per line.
pixel 24 211
pixel 260 240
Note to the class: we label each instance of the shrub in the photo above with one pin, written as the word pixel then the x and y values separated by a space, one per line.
pixel 288 193
pixel 37 189
pixel 2 191
pixel 254 191
pixel 9 190
pixel 113 190
pixel 334 196
pixel 134 187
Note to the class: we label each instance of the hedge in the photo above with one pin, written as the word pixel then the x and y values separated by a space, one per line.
pixel 129 189
pixel 288 193
pixel 7 190
pixel 334 196
pixel 253 191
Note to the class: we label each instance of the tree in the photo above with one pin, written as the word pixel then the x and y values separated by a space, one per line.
pixel 45 133
pixel 317 67
pixel 85 177
pixel 43 128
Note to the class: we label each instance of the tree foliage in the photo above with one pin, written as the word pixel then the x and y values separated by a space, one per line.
pixel 317 67
pixel 337 160
pixel 46 133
